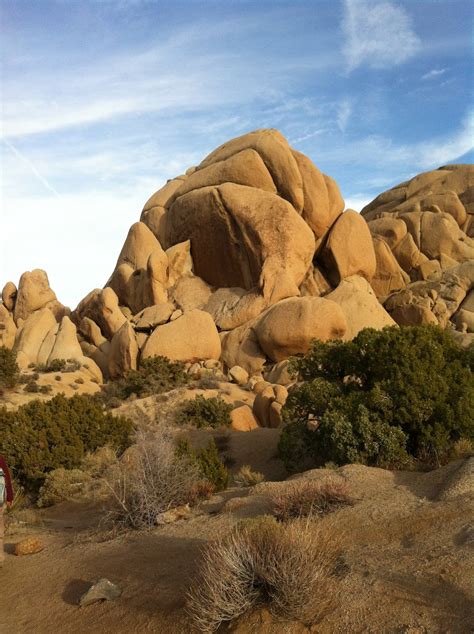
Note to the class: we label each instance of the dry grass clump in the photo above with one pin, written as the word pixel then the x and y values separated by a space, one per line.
pixel 245 477
pixel 150 479
pixel 291 567
pixel 303 498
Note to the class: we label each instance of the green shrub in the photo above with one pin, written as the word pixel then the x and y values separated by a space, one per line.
pixel 32 387
pixel 55 366
pixel 204 412
pixel 382 399
pixel 210 465
pixel 155 375
pixel 42 436
pixel 9 370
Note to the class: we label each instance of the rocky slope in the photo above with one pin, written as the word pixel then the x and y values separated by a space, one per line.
pixel 247 257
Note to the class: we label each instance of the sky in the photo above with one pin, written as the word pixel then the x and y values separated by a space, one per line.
pixel 102 101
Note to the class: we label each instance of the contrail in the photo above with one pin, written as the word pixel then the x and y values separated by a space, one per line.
pixel 23 158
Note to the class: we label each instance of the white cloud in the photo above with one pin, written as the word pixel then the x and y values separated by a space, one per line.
pixel 379 34
pixel 344 112
pixel 357 203
pixel 436 72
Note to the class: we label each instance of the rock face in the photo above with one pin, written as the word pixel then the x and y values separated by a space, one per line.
pixel 189 338
pixel 427 225
pixel 289 327
pixel 248 257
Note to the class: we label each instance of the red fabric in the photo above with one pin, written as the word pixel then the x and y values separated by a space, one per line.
pixel 8 480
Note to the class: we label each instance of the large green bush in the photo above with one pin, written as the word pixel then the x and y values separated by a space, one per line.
pixel 204 412
pixel 382 399
pixel 9 370
pixel 42 436
pixel 155 376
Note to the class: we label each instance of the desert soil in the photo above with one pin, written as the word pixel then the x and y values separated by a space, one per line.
pixel 409 550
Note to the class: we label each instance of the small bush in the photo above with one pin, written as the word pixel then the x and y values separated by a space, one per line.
pixel 292 567
pixel 62 484
pixel 32 387
pixel 304 498
pixel 150 479
pixel 57 365
pixel 204 412
pixel 211 467
pixel 46 389
pixel 385 399
pixel 155 376
pixel 208 382
pixel 44 435
pixel 248 478
pixel 9 370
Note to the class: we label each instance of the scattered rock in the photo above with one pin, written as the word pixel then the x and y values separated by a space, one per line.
pixel 29 546
pixel 243 419
pixel 103 590
pixel 239 375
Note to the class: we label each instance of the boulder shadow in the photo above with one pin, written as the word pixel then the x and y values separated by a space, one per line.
pixel 74 591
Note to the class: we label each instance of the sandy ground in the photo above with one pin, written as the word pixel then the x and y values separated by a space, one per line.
pixel 409 554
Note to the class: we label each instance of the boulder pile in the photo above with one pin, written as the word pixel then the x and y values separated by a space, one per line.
pixel 248 257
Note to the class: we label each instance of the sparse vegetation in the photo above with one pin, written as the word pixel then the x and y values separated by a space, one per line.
pixel 245 477
pixel 204 412
pixel 292 567
pixel 150 479
pixel 42 436
pixel 383 399
pixel 9 370
pixel 155 376
pixel 306 498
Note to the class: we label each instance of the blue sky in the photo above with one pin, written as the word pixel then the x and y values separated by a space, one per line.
pixel 103 100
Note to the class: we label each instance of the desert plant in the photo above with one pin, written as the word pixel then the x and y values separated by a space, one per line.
pixel 204 412
pixel 62 484
pixel 382 399
pixel 245 477
pixel 32 387
pixel 303 498
pixel 155 376
pixel 150 479
pixel 9 370
pixel 45 389
pixel 57 365
pixel 293 567
pixel 45 435
pixel 210 466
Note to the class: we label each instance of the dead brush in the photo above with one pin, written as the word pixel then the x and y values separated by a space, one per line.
pixel 245 477
pixel 148 480
pixel 304 498
pixel 293 568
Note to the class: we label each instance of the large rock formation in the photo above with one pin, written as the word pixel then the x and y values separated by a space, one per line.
pixel 423 232
pixel 249 256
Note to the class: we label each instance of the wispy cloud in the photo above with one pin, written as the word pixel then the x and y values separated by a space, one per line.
pixel 432 74
pixel 21 157
pixel 378 34
pixel 344 112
